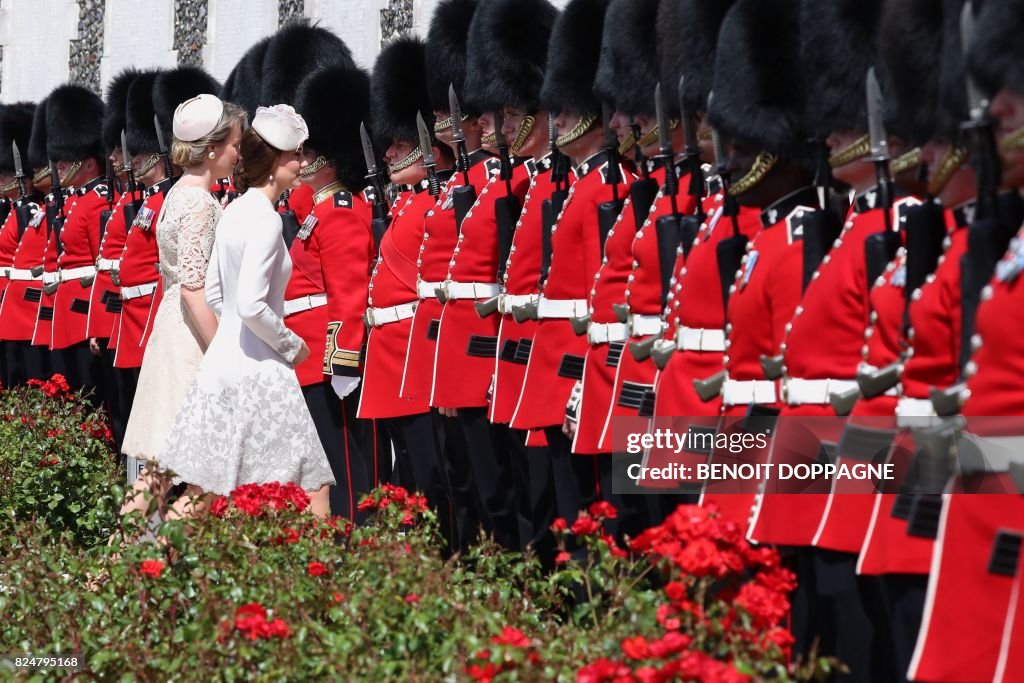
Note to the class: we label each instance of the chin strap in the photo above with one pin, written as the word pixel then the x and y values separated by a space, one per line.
pixel 408 161
pixel 758 170
pixel 954 158
pixel 858 149
pixel 317 164
pixel 584 126
pixel 525 128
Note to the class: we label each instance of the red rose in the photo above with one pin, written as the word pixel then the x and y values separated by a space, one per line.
pixel 412 598
pixel 337 597
pixel 219 507
pixel 636 648
pixel 512 637
pixel 601 670
pixel 317 569
pixel 367 503
pixel 152 568
pixel 559 524
pixel 562 557
pixel 675 591
pixel 585 525
pixel 603 508
pixel 670 644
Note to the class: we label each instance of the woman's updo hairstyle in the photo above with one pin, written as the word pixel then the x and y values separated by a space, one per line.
pixel 258 160
pixel 193 153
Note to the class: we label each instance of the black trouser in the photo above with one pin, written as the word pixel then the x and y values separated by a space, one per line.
pixel 419 464
pixel 903 596
pixel 456 453
pixel 535 496
pixel 25 362
pixel 349 444
pixel 489 447
pixel 81 368
pixel 122 396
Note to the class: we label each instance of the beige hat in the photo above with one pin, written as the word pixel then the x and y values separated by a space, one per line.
pixel 281 127
pixel 196 118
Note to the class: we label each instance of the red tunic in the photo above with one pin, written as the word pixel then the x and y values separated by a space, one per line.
pixel 522 279
pixel 8 245
pixel 105 298
pixel 463 369
pixel 41 334
pixel 393 283
pixel 20 305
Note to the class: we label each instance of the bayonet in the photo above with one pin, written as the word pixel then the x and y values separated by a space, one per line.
pixel 428 156
pixel 373 173
pixel 111 179
pixel 611 148
pixel 729 207
pixel 691 149
pixel 129 169
pixel 980 126
pixel 665 148
pixel 19 171
pixel 977 103
pixel 879 145
pixel 164 152
pixel 458 135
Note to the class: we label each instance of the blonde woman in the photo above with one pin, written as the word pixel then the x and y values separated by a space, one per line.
pixel 207 135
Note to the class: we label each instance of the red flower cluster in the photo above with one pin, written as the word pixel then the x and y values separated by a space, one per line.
pixel 57 385
pixel 152 568
pixel 483 668
pixel 47 461
pixel 317 569
pixel 389 495
pixel 255 499
pixel 97 430
pixel 692 666
pixel 252 622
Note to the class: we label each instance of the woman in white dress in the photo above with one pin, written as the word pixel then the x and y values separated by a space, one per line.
pixel 207 134
pixel 244 419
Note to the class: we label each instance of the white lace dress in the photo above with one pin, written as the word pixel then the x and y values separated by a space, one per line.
pixel 244 419
pixel 184 235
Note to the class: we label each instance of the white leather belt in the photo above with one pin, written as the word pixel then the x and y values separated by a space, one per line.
pixel 392 314
pixel 75 273
pixel 562 308
pixel 425 290
pixel 105 264
pixel 694 339
pixel 470 290
pixel 137 291
pixel 50 278
pixel 304 303
pixel 23 274
pixel 644 325
pixel 796 391
pixel 915 412
pixel 605 333
pixel 741 393
pixel 507 301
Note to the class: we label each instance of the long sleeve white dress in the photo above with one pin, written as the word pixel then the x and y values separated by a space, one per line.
pixel 244 419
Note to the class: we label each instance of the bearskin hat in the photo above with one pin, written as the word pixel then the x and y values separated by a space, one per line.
pixel 758 91
pixel 173 87
pixel 909 51
pixel 952 84
pixel 694 57
pixel 996 56
pixel 243 84
pixel 399 90
pixel 627 72
pixel 838 47
pixel 447 43
pixel 573 58
pixel 74 124
pixel 116 103
pixel 296 50
pixel 15 127
pixel 508 51
pixel 140 129
pixel 334 100
pixel 37 156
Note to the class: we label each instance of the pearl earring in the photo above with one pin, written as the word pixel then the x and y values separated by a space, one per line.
pixel 271 178
pixel 212 155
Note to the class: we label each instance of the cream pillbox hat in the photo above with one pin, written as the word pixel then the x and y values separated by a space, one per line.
pixel 196 118
pixel 281 127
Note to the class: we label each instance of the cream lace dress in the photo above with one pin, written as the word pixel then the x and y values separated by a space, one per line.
pixel 184 235
pixel 244 419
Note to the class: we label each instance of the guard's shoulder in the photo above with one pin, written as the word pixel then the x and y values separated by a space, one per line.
pixel 343 200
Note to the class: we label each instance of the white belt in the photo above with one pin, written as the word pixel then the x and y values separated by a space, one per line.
pixel 796 391
pixel 137 291
pixel 916 412
pixel 605 333
pixel 644 325
pixel 562 308
pixel 304 303
pixel 392 314
pixel 740 393
pixel 507 301
pixel 693 339
pixel 51 278
pixel 75 273
pixel 470 290
pixel 105 264
pixel 425 290
pixel 23 274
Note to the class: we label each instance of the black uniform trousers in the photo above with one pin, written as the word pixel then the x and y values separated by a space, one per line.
pixel 82 369
pixel 535 498
pixel 466 513
pixel 121 396
pixel 25 362
pixel 490 452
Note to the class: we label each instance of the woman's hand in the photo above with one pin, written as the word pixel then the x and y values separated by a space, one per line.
pixel 302 355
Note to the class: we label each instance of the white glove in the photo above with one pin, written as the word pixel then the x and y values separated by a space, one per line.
pixel 343 386
pixel 572 407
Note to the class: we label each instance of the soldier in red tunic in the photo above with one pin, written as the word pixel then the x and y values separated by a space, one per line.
pixel 18 194
pixel 398 95
pixel 326 298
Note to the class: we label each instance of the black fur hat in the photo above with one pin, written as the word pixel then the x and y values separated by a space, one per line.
pixel 447 44
pixel 627 72
pixel 997 53
pixel 334 100
pixel 952 85
pixel 294 52
pixel 243 83
pixel 758 91
pixel 693 57
pixel 508 51
pixel 15 126
pixel 399 90
pixel 74 124
pixel 114 113
pixel 838 46
pixel 909 51
pixel 173 87
pixel 37 157
pixel 139 128
pixel 573 58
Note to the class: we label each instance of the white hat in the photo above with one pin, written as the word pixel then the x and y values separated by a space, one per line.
pixel 281 127
pixel 196 118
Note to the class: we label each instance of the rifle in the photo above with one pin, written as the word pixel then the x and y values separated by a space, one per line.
pixel 164 153
pixel 463 196
pixel 668 228
pixel 381 216
pixel 880 248
pixel 131 208
pixel 730 251
pixel 608 212
pixel 22 209
pixel 59 216
pixel 689 226
pixel 507 208
pixel 109 211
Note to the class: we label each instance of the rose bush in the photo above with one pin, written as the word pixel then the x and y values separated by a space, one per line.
pixel 259 589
